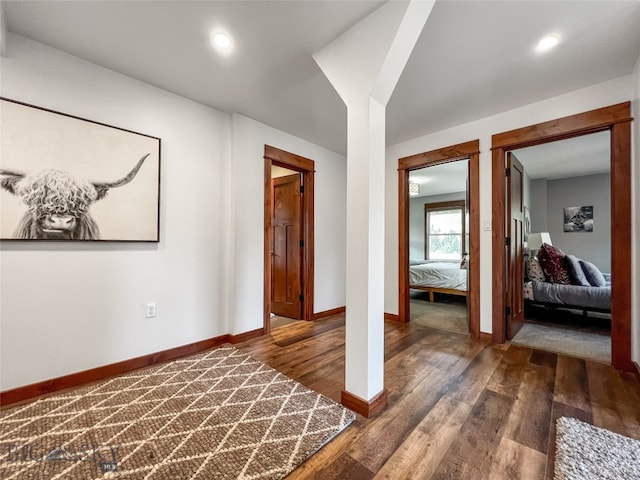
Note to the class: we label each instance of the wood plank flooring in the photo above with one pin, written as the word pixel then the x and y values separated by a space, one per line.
pixel 458 408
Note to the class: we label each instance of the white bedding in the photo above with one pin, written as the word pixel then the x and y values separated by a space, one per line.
pixel 439 275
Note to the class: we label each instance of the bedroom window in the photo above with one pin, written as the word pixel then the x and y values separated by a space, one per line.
pixel 444 230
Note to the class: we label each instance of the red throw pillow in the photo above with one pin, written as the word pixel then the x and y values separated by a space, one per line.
pixel 553 264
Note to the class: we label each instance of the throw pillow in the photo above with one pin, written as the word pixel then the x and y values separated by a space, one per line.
pixel 464 261
pixel 593 275
pixel 575 271
pixel 528 291
pixel 553 264
pixel 534 270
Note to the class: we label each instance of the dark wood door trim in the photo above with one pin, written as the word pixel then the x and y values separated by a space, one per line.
pixel 617 119
pixel 468 150
pixel 515 251
pixel 281 158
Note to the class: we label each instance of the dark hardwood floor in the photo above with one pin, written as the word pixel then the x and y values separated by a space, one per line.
pixel 458 408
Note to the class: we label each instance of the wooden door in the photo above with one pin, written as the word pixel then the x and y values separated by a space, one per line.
pixel 515 246
pixel 286 250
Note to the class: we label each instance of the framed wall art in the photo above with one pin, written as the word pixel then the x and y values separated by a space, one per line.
pixel 66 178
pixel 578 219
pixel 527 225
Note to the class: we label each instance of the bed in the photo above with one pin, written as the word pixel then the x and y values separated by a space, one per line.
pixel 438 277
pixel 553 295
pixel 559 280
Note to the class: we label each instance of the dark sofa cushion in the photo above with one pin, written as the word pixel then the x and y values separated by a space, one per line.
pixel 553 264
pixel 593 274
pixel 575 271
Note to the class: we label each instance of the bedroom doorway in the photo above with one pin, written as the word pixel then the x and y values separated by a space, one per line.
pixel 288 237
pixel 438 243
pixel 442 238
pixel 566 200
pixel 616 120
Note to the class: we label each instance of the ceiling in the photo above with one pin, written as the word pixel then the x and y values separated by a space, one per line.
pixel 473 59
pixel 574 157
pixel 440 179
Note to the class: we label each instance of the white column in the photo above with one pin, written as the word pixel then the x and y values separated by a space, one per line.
pixel 365 249
pixel 364 65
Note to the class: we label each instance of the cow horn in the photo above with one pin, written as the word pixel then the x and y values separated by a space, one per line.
pixel 124 180
pixel 11 180
pixel 13 173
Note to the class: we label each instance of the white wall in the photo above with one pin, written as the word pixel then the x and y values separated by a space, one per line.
pixel 249 139
pixel 635 171
pixel 70 307
pixel 539 205
pixel 607 93
pixel 416 220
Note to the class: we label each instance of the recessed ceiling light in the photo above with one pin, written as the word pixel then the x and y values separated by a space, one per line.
pixel 221 40
pixel 547 43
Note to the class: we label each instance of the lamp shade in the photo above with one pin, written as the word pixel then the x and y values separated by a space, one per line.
pixel 537 239
pixel 414 189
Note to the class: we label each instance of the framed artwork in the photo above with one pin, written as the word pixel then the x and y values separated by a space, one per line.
pixel 66 178
pixel 578 219
pixel 527 226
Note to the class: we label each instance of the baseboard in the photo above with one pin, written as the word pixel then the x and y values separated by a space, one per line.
pixel 328 313
pixel 27 392
pixel 486 336
pixel 394 317
pixel 637 371
pixel 365 408
pixel 243 337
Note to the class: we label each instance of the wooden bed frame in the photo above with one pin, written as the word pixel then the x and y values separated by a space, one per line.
pixel 432 290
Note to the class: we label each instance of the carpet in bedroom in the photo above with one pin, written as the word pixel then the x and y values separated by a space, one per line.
pixel 566 332
pixel 448 312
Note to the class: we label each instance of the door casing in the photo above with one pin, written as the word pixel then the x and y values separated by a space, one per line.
pixel 282 158
pixel 471 151
pixel 617 120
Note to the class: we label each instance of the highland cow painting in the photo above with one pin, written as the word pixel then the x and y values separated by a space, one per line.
pixel 67 178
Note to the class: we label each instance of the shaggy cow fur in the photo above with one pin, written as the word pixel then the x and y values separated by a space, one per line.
pixel 54 192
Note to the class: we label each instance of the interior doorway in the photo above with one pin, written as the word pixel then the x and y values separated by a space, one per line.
pixel 288 236
pixel 616 120
pixel 286 240
pixel 567 200
pixel 438 246
pixel 466 151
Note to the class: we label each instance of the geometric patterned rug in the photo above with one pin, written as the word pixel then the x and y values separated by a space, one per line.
pixel 215 415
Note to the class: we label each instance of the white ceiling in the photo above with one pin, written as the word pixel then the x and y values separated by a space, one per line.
pixel 440 179
pixel 574 157
pixel 473 59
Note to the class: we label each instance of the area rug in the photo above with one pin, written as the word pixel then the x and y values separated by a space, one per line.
pixel 585 452
pixel 215 415
pixel 578 343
